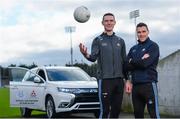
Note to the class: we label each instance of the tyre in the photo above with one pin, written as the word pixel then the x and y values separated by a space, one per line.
pixel 50 107
pixel 96 113
pixel 25 112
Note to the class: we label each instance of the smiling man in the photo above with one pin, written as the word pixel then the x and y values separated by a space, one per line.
pixel 142 61
pixel 110 52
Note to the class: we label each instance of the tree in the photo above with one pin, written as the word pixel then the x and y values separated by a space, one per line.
pixel 33 65
pixel 12 65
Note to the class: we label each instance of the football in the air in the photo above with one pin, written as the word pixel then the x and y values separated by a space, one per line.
pixel 81 14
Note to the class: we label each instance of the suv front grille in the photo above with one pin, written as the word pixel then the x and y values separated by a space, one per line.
pixel 89 106
pixel 86 97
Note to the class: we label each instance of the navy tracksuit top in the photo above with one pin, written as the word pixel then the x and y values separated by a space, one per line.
pixel 143 70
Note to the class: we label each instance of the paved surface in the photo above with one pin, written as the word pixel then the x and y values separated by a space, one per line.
pixel 81 115
pixel 91 116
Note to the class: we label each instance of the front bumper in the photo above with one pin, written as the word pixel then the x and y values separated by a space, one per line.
pixel 81 102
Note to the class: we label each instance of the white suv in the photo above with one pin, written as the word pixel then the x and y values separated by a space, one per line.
pixel 54 90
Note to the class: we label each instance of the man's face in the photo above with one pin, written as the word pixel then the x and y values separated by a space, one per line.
pixel 142 33
pixel 108 23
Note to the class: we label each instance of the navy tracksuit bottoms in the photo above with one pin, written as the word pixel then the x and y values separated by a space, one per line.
pixel 110 97
pixel 145 94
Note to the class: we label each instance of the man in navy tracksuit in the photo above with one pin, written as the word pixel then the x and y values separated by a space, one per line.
pixel 142 60
pixel 110 52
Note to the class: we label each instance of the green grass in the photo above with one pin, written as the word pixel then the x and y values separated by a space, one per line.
pixel 5 110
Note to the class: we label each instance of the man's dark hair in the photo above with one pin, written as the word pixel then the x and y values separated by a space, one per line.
pixel 108 14
pixel 141 25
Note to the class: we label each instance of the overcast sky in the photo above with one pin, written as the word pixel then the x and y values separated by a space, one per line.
pixel 33 30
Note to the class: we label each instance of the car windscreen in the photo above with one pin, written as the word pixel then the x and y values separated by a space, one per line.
pixel 67 75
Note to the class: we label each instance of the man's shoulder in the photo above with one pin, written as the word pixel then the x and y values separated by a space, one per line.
pixel 119 38
pixel 134 46
pixel 99 37
pixel 153 43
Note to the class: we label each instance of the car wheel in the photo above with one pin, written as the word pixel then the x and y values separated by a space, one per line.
pixel 50 107
pixel 25 112
pixel 96 113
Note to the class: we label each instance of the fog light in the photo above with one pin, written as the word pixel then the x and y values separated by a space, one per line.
pixel 63 105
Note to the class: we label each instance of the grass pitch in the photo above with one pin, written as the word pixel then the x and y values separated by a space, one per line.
pixel 10 112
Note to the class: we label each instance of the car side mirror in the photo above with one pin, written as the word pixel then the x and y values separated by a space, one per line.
pixel 93 79
pixel 37 80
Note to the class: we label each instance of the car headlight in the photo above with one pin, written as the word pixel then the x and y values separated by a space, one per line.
pixel 77 90
pixel 67 90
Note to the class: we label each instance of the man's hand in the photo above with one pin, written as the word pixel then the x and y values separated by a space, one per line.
pixel 145 56
pixel 128 87
pixel 83 50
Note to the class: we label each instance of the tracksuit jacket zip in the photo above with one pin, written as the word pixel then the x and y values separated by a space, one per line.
pixel 112 56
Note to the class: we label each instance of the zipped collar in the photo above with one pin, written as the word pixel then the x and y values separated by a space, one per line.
pixel 139 42
pixel 105 34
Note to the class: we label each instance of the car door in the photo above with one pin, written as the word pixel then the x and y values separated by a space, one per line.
pixel 29 92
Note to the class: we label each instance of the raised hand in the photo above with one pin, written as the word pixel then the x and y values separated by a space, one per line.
pixel 83 49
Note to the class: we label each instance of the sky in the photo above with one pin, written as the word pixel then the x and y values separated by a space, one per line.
pixel 34 30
